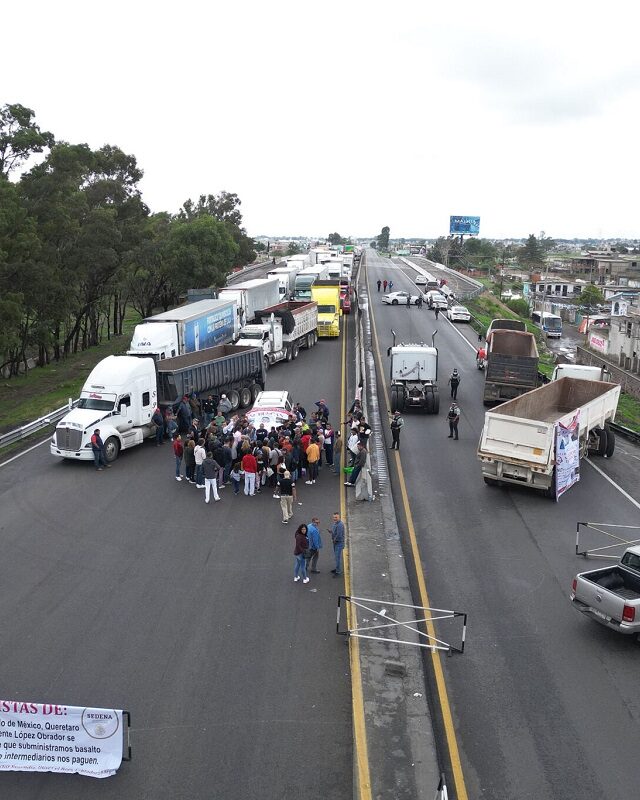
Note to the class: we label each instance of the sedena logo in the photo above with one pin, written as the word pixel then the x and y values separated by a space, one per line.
pixel 100 723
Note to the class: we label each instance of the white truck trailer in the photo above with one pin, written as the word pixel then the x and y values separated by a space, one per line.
pixel 251 296
pixel 187 329
pixel 519 440
pixel 282 331
pixel 287 279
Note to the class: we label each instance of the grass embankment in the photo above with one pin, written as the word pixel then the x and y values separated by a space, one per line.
pixel 43 389
pixel 487 307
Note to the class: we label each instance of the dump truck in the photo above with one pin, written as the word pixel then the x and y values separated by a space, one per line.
pixel 282 331
pixel 121 393
pixel 512 365
pixel 520 442
pixel 326 293
pixel 186 329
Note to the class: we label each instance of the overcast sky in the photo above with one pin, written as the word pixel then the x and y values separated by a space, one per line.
pixel 347 116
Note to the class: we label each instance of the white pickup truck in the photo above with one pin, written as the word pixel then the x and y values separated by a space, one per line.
pixel 611 595
pixel 518 440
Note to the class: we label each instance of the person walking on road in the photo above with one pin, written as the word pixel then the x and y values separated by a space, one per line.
pixel 97 448
pixel 390 285
pixel 178 452
pixel 210 468
pixel 315 545
pixel 287 496
pixel 384 284
pixel 453 417
pixel 437 310
pixel 397 423
pixel 250 467
pixel 454 382
pixel 337 537
pixel 302 546
pixel 379 283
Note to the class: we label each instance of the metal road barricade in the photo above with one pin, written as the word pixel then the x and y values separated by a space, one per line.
pixel 37 425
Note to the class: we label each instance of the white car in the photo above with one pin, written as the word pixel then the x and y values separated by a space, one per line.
pixel 271 409
pixel 459 314
pixel 421 280
pixel 399 298
pixel 435 299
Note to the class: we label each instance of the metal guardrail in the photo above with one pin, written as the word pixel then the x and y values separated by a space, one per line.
pixel 38 424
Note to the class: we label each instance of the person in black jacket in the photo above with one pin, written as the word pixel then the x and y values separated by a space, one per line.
pixel 210 468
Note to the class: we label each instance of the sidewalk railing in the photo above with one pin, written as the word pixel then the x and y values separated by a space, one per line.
pixel 37 425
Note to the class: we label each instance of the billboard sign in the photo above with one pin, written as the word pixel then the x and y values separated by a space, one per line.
pixel 42 737
pixel 464 225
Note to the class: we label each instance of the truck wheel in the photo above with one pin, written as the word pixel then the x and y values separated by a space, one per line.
pixel 400 399
pixel 111 449
pixel 295 351
pixel 611 442
pixel 266 364
pixel 428 406
pixel 394 399
pixel 315 338
pixel 255 391
pixel 436 402
pixel 234 399
pixel 551 491
pixel 245 397
pixel 603 441
pixel 289 355
pixel 309 341
pixel 490 481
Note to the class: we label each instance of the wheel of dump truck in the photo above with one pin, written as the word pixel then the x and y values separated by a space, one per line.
pixel 611 442
pixel 289 355
pixel 394 399
pixel 400 400
pixel 255 391
pixel 245 397
pixel 234 399
pixel 266 364
pixel 603 440
pixel 295 351
pixel 550 492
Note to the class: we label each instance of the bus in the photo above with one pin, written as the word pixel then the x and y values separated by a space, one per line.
pixel 550 324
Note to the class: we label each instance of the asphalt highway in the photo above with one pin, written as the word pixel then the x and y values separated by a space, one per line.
pixel 122 589
pixel 544 702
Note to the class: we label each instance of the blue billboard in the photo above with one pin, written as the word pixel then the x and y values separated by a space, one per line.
pixel 468 225
pixel 210 330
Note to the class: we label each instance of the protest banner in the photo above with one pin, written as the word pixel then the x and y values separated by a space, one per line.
pixel 567 455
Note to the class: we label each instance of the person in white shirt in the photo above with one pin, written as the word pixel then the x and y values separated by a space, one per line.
pixel 200 454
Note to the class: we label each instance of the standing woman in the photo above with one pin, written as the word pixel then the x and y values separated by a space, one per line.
pixel 302 546
pixel 190 459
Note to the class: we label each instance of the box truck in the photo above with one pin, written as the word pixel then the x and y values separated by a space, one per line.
pixel 122 392
pixel 187 329
pixel 287 280
pixel 250 296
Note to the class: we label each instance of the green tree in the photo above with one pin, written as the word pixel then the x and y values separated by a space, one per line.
pixel 590 297
pixel 20 137
pixel 202 253
pixel 293 249
pixel 335 238
pixel 383 238
pixel 224 207
pixel 532 254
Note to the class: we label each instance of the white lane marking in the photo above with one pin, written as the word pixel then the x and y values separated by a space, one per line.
pixel 24 452
pixel 613 483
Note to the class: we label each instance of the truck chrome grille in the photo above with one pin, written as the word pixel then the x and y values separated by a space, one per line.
pixel 68 438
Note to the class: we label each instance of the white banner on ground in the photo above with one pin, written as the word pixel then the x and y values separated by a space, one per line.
pixel 41 737
pixel 567 455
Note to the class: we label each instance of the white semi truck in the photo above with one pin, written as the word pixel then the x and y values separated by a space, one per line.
pixel 414 375
pixel 286 278
pixel 187 329
pixel 251 296
pixel 518 440
pixel 282 331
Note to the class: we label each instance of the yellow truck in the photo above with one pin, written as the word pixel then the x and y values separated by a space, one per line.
pixel 327 295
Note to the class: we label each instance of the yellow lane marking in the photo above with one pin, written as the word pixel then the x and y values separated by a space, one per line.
pixel 359 729
pixel 452 742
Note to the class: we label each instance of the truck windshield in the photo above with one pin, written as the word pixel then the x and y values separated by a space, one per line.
pixel 95 405
pixel 326 309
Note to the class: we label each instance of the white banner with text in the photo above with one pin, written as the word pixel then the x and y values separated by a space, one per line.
pixel 41 737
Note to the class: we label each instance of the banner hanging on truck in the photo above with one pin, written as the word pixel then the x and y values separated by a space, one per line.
pixel 41 737
pixel 567 455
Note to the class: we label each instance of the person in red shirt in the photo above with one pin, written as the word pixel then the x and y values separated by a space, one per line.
pixel 250 467
pixel 304 443
pixel 178 451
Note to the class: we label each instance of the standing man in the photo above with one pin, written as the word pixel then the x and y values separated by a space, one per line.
pixel 287 496
pixel 437 310
pixel 158 421
pixel 208 410
pixel 397 423
pixel 178 452
pixel 419 300
pixel 337 451
pixel 337 537
pixel 390 285
pixel 323 410
pixel 250 467
pixel 224 406
pixel 454 382
pixel 315 544
pixel 97 447
pixel 384 283
pixel 313 457
pixel 453 417
pixel 379 283
pixel 199 454
pixel 361 460
pixel 210 469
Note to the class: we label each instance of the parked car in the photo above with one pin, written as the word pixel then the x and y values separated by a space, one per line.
pixel 435 299
pixel 459 314
pixel 399 298
pixel 421 280
pixel 271 408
